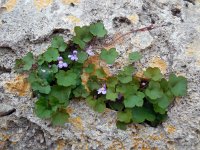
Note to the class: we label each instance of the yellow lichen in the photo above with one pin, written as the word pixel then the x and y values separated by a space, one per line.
pixel 10 5
pixel 140 143
pixel 170 129
pixel 158 62
pixel 71 1
pixel 69 110
pixel 116 145
pixel 134 18
pixel 40 4
pixel 19 85
pixel 73 19
pixel 76 122
pixel 60 145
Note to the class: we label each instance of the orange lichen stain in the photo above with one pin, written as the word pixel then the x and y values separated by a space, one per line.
pixel 69 110
pixel 97 64
pixel 170 129
pixel 77 122
pixel 10 5
pixel 19 85
pixel 71 1
pixel 156 137
pixel 73 19
pixel 4 137
pixel 116 145
pixel 139 142
pixel 40 4
pixel 134 18
pixel 158 62
pixel 60 145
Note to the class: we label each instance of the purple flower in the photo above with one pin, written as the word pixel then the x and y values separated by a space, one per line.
pixel 60 58
pixel 89 51
pixel 62 64
pixel 65 64
pixel 73 57
pixel 102 90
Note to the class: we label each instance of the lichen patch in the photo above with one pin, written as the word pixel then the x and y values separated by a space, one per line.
pixel 40 4
pixel 71 1
pixel 160 63
pixel 77 122
pixel 134 18
pixel 10 5
pixel 170 129
pixel 19 85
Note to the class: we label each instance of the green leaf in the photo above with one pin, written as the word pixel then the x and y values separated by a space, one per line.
pixel 134 100
pixel 93 84
pixel 19 65
pixel 154 91
pixel 80 91
pixel 83 35
pixel 54 68
pixel 134 56
pixel 121 125
pixel 60 118
pixel 140 114
pixel 45 73
pixel 178 85
pixel 28 61
pixel 90 68
pixel 42 87
pixel 51 54
pixel 98 29
pixel 100 106
pixel 82 57
pixel 41 108
pixel 127 89
pixel 109 56
pixel 125 76
pixel 67 78
pixel 40 60
pixel 58 42
pixel 97 105
pixel 111 95
pixel 61 93
pixel 153 73
pixel 124 116
pixel 116 106
pixel 128 70
pixel 111 82
pixel 79 42
pixel 100 73
pixel 159 109
pixel 163 102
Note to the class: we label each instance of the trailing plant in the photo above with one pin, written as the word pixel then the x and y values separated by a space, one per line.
pixel 73 70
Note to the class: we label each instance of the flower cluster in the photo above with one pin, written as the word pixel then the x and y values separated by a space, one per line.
pixel 73 56
pixel 61 64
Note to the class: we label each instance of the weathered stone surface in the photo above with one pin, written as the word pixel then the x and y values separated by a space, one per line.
pixel 29 25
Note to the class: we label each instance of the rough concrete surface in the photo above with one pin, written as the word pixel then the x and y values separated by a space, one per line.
pixel 28 25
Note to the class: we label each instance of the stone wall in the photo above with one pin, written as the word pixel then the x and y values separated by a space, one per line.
pixel 28 25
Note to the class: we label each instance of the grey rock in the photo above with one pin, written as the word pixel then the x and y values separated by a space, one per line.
pixel 26 27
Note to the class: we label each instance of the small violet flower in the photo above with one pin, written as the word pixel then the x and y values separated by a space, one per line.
pixel 102 90
pixel 89 51
pixel 61 64
pixel 73 57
